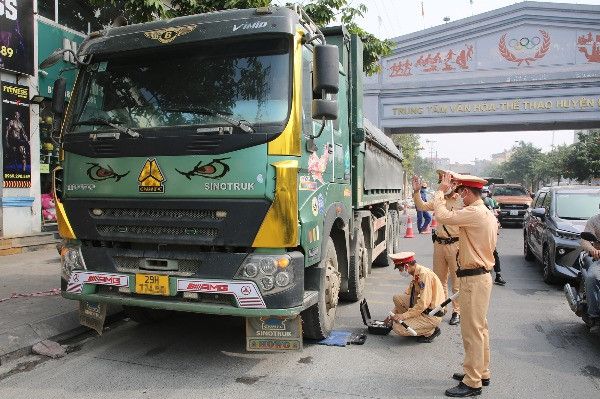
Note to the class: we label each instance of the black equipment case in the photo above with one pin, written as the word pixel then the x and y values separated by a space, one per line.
pixel 374 326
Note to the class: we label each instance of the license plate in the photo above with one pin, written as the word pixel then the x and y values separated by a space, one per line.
pixel 151 284
pixel 514 213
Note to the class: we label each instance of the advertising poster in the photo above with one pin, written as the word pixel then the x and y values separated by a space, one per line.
pixel 16 136
pixel 16 36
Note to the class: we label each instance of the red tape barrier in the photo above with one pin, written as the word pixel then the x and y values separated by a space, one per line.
pixel 55 291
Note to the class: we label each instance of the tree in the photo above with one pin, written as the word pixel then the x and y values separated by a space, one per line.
pixel 552 165
pixel 322 12
pixel 426 169
pixel 520 166
pixel 584 162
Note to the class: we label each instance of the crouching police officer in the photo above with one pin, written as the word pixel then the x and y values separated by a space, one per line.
pixel 424 293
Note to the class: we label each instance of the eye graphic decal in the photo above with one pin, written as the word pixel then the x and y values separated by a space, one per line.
pixel 215 169
pixel 100 173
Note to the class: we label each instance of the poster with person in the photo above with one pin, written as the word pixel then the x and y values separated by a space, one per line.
pixel 16 147
pixel 16 36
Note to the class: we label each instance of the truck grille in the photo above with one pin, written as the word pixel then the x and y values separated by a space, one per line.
pixel 159 213
pixel 129 264
pixel 158 230
pixel 513 206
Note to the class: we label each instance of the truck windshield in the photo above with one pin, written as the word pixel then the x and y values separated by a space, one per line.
pixel 207 85
pixel 577 206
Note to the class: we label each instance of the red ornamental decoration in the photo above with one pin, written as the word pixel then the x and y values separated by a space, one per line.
pixel 513 58
pixel 583 42
pixel 434 63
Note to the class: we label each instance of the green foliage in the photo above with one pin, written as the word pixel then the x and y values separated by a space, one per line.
pixel 322 12
pixel 584 161
pixel 528 166
pixel 424 168
pixel 409 143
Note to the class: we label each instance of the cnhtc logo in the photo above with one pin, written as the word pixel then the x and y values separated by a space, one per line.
pixel 247 25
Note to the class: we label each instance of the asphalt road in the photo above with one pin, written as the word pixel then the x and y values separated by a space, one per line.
pixel 539 349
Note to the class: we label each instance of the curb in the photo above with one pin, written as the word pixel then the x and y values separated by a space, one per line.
pixel 19 341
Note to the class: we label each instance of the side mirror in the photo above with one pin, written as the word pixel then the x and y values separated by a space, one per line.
pixel 539 212
pixel 326 59
pixel 58 96
pixel 325 109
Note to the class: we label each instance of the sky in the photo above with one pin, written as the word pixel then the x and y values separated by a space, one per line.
pixel 392 18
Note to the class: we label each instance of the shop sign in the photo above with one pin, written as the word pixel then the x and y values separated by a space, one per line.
pixel 16 135
pixel 50 38
pixel 16 38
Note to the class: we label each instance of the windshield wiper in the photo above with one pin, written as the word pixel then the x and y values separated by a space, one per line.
pixel 207 111
pixel 111 123
pixel 572 218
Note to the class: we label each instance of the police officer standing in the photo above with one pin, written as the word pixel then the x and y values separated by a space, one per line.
pixel 445 242
pixel 423 294
pixel 477 240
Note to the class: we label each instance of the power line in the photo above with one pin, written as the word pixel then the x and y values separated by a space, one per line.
pixel 379 16
pixel 387 15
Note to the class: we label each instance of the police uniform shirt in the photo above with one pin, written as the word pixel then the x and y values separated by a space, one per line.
pixel 478 232
pixel 428 292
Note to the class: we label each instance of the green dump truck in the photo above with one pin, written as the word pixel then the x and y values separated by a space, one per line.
pixel 220 163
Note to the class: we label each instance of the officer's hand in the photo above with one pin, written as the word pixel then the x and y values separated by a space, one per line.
pixel 445 183
pixel 387 320
pixel 397 318
pixel 595 254
pixel 416 183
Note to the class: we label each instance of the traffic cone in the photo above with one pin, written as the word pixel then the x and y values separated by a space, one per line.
pixel 409 229
pixel 433 222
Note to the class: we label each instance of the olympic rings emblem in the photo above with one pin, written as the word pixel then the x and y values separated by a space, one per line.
pixel 524 43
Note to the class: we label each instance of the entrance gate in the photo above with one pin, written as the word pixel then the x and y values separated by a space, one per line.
pixel 529 66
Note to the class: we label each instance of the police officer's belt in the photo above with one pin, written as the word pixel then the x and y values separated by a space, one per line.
pixel 441 240
pixel 471 272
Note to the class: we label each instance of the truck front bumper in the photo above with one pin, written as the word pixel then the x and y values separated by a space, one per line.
pixel 189 294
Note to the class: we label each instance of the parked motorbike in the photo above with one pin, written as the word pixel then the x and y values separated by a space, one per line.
pixel 576 295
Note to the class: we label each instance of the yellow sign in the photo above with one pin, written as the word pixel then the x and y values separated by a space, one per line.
pixel 151 178
pixel 152 284
pixel 169 34
pixel 44 168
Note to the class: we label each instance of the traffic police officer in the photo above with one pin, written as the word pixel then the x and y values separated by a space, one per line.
pixel 424 293
pixel 445 241
pixel 477 240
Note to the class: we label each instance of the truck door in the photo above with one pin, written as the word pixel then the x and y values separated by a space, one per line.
pixel 341 137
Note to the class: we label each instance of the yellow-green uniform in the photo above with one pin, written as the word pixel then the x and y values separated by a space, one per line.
pixel 427 293
pixel 477 240
pixel 445 247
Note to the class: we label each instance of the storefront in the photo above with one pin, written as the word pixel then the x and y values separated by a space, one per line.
pixel 31 31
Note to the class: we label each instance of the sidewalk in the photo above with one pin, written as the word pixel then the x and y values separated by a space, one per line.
pixel 25 321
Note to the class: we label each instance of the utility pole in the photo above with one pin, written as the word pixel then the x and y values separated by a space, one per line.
pixel 430 142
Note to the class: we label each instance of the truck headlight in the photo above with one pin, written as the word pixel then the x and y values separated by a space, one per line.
pixel 271 273
pixel 71 259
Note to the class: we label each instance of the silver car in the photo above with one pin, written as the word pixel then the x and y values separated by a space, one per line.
pixel 552 225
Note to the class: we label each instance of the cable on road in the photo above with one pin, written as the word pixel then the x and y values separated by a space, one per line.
pixel 55 291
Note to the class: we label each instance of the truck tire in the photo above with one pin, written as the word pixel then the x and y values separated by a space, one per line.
pixel 146 315
pixel 319 319
pixel 382 259
pixel 358 268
